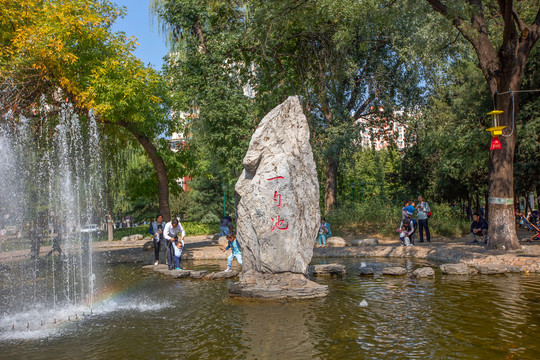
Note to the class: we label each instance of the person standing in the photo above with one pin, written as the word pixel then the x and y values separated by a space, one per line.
pixel 224 225
pixel 156 229
pixel 236 253
pixel 423 212
pixel 170 234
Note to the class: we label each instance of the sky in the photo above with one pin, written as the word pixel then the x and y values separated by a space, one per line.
pixel 136 23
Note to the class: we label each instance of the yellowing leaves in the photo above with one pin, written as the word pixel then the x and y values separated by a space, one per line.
pixel 68 43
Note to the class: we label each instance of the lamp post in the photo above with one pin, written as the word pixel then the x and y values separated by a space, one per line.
pixel 224 187
pixel 352 188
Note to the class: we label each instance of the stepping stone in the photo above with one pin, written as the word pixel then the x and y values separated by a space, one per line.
pixel 365 242
pixel 424 272
pixel 492 269
pixel 221 275
pixel 456 269
pixel 165 271
pixel 394 270
pixel 180 274
pixel 328 269
pixel 365 271
pixel 197 274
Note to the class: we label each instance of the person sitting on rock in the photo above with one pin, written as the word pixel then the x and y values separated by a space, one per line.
pixel 479 227
pixel 404 236
pixel 236 253
pixel 178 247
pixel 324 233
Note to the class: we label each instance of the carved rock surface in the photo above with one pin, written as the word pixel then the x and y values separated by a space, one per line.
pixel 278 214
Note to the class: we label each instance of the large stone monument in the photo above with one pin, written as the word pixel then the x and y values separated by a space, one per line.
pixel 278 214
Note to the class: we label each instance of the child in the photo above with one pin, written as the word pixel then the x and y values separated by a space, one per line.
pixel 405 230
pixel 178 247
pixel 408 209
pixel 231 238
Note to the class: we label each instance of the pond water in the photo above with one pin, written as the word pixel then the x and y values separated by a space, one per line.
pixel 142 315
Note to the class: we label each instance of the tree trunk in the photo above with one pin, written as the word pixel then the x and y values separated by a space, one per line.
pixel 161 172
pixel 330 190
pixel 486 206
pixel 502 225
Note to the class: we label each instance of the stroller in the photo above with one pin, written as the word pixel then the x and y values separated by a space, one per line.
pixel 529 225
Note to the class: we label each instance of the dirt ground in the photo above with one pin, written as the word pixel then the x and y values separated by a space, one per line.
pixel 448 250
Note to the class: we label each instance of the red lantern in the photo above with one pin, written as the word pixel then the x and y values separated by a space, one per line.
pixel 495 143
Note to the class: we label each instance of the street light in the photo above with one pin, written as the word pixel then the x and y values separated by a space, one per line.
pixel 352 188
pixel 224 187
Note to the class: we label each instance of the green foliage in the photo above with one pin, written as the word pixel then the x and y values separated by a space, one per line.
pixel 527 161
pixel 191 228
pixel 378 217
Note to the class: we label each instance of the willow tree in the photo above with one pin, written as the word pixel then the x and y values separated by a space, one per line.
pixel 502 34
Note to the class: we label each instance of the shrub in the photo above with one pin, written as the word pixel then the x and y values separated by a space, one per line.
pixel 192 228
pixel 375 216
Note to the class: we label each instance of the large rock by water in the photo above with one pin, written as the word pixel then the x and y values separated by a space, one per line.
pixel 366 271
pixel 492 269
pixel 456 269
pixel 424 272
pixel 365 242
pixel 278 214
pixel 336 241
pixel 394 270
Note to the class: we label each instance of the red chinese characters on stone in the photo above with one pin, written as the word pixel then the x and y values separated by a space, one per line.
pixel 279 224
pixel 277 198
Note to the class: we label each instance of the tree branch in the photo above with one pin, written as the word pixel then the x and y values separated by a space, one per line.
pixel 438 7
pixel 521 25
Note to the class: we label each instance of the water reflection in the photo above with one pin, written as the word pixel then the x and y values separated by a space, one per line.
pixel 145 315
